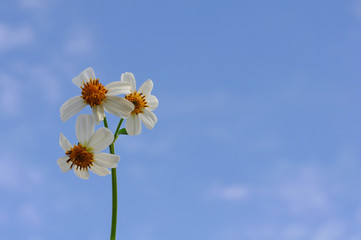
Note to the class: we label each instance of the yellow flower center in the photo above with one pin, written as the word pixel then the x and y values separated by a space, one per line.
pixel 138 100
pixel 93 92
pixel 80 157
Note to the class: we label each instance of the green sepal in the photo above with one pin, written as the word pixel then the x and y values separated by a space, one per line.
pixel 123 131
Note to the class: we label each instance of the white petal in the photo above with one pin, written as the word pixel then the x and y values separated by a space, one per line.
pixel 84 128
pixel 64 166
pixel 152 102
pixel 148 118
pixel 106 159
pixel 98 113
pixel 146 87
pixel 118 87
pixel 101 139
pixel 84 77
pixel 84 174
pixel 71 107
pixel 101 171
pixel 118 106
pixel 64 143
pixel 129 77
pixel 133 125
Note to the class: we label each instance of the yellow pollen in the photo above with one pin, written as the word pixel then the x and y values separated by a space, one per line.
pixel 138 100
pixel 80 157
pixel 93 92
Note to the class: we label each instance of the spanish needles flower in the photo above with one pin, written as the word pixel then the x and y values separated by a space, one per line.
pixel 98 97
pixel 86 154
pixel 144 103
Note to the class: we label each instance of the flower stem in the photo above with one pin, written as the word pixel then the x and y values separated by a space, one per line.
pixel 114 183
pixel 117 131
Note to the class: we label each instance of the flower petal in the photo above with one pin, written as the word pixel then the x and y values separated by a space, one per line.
pixel 146 87
pixel 106 159
pixel 98 113
pixel 64 166
pixel 133 125
pixel 84 77
pixel 84 128
pixel 118 106
pixel 71 107
pixel 99 170
pixel 101 139
pixel 64 143
pixel 84 174
pixel 118 87
pixel 148 118
pixel 129 77
pixel 152 102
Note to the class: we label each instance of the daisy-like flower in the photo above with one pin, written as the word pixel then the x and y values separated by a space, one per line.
pixel 98 97
pixel 86 154
pixel 144 103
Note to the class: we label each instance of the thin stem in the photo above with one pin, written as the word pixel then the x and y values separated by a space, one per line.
pixel 115 207
pixel 114 185
pixel 116 131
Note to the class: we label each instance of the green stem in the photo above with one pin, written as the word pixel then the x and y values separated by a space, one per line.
pixel 116 131
pixel 114 183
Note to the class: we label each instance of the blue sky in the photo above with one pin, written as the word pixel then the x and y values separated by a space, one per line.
pixel 258 133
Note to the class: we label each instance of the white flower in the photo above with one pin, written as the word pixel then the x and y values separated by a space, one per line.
pixel 144 104
pixel 98 97
pixel 86 154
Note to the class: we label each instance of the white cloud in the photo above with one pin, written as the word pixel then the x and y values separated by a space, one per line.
pixel 47 82
pixel 284 231
pixel 234 192
pixel 29 215
pixel 11 37
pixel 80 42
pixel 36 5
pixel 42 80
pixel 14 173
pixel 304 192
pixel 10 96
pixel 329 231
pixel 32 4
pixel 356 8
pixel 294 232
pixel 9 174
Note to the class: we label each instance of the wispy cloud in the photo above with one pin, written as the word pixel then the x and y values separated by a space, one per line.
pixel 80 42
pixel 330 231
pixel 42 79
pixel 356 8
pixel 13 37
pixel 304 192
pixel 232 192
pixel 294 231
pixel 47 82
pixel 36 4
pixel 14 173
pixel 29 215
pixel 10 96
